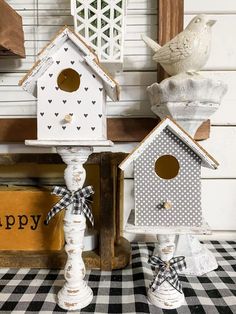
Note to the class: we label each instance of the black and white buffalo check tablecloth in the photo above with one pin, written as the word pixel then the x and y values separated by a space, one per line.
pixel 124 291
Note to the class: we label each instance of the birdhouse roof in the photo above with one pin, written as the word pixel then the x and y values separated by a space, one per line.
pixel 45 60
pixel 207 160
pixel 11 32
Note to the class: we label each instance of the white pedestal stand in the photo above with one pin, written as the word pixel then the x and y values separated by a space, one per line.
pixel 75 294
pixel 165 296
pixel 190 100
pixel 198 258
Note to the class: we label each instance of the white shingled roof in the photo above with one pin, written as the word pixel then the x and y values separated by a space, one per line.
pixel 45 60
pixel 207 160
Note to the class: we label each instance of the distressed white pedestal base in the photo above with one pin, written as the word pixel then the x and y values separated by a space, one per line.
pixel 198 258
pixel 190 99
pixel 75 294
pixel 166 298
pixel 75 299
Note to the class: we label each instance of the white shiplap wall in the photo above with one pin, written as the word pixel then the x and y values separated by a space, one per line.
pixel 43 18
pixel 219 187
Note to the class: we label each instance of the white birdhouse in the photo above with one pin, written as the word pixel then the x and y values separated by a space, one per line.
pixel 71 88
pixel 167 178
pixel 102 24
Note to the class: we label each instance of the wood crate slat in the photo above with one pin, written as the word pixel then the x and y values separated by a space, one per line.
pixel 119 130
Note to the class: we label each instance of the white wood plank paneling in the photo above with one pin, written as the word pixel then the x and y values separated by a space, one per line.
pixel 40 28
pixel 223 47
pixel 133 95
pixel 64 5
pixel 210 6
pixel 226 113
pixel 136 83
pixel 47 32
pixel 222 146
pixel 219 203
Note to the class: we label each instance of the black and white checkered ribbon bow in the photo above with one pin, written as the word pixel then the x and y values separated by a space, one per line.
pixel 78 199
pixel 167 271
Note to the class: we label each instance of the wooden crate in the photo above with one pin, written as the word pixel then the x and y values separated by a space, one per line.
pixel 21 246
pixel 22 215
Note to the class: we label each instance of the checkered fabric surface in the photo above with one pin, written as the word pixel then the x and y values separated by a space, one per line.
pixel 124 291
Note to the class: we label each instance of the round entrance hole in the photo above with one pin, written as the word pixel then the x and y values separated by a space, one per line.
pixel 167 167
pixel 68 80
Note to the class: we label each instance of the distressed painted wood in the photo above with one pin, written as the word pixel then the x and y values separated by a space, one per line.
pixel 62 80
pixel 107 234
pixel 118 129
pixel 198 258
pixel 75 293
pixel 166 296
pixel 189 100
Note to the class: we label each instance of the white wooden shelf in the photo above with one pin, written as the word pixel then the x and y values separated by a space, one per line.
pixel 47 143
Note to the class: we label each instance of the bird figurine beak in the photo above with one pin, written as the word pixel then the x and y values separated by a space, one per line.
pixel 211 23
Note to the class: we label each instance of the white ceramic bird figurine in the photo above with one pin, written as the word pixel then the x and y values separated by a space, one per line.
pixel 188 51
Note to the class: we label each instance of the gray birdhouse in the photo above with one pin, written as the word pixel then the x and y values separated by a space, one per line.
pixel 167 178
pixel 71 88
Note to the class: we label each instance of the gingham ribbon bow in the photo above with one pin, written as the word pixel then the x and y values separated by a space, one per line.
pixel 167 271
pixel 78 199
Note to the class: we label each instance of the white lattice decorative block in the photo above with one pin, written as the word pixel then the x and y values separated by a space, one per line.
pixel 102 23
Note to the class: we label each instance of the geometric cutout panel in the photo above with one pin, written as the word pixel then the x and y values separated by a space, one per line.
pixel 101 23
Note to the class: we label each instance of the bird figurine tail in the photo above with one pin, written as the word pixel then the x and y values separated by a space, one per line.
pixel 151 43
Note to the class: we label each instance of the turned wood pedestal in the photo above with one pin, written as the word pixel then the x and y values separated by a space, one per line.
pixel 75 294
pixel 165 296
